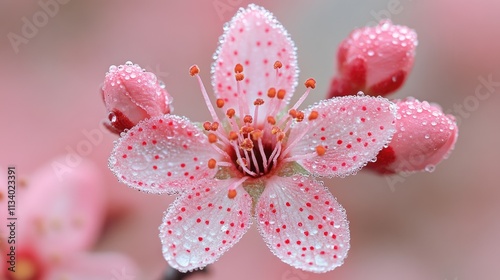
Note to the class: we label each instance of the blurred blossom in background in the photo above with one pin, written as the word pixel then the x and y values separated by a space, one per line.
pixel 439 225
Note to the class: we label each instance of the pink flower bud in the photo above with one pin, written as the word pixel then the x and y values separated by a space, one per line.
pixel 375 60
pixel 131 94
pixel 424 137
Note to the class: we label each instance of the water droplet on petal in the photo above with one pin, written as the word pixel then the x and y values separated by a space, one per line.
pixel 430 168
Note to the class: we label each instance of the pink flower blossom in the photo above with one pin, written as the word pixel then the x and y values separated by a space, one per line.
pixel 131 94
pixel 375 60
pixel 256 159
pixel 424 137
pixel 57 222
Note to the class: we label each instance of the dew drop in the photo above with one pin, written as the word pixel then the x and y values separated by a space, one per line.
pixel 427 136
pixel 430 168
pixel 112 68
pixel 360 93
pixel 370 53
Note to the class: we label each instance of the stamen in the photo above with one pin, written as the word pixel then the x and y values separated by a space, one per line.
pixel 212 138
pixel 300 116
pixel 212 163
pixel 271 120
pixel 239 77
pixel 207 126
pixel 233 136
pixel 231 193
pixel 214 126
pixel 277 64
pixel 320 150
pixel 281 94
pixel 257 103
pixel 313 115
pixel 238 68
pixel 194 71
pixel 271 92
pixel 310 84
pixel 293 113
pixel 246 144
pixel 220 103
pixel 247 119
pixel 230 112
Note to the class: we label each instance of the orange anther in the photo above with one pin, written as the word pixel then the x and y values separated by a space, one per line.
pixel 194 70
pixel 275 130
pixel 300 116
pixel 271 120
pixel 239 77
pixel 280 136
pixel 320 150
pixel 278 64
pixel 212 163
pixel 247 119
pixel 258 102
pixel 281 94
pixel 231 193
pixel 230 112
pixel 310 83
pixel 207 125
pixel 214 126
pixel 313 115
pixel 246 129
pixel 220 103
pixel 247 144
pixel 292 113
pixel 271 93
pixel 212 138
pixel 233 135
pixel 256 134
pixel 238 68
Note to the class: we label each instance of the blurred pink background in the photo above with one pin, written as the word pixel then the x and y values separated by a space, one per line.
pixel 440 225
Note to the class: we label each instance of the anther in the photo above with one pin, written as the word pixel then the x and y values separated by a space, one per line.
pixel 271 92
pixel 320 150
pixel 246 129
pixel 277 64
pixel 238 68
pixel 280 136
pixel 313 115
pixel 220 103
pixel 247 119
pixel 233 136
pixel 256 134
pixel 212 163
pixel 293 113
pixel 271 120
pixel 230 112
pixel 214 126
pixel 207 126
pixel 281 94
pixel 247 144
pixel 310 83
pixel 300 116
pixel 194 70
pixel 258 102
pixel 239 77
pixel 212 138
pixel 231 193
pixel 275 130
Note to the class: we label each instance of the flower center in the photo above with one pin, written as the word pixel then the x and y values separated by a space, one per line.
pixel 253 144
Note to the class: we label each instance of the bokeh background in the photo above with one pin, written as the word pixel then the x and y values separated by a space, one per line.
pixel 439 225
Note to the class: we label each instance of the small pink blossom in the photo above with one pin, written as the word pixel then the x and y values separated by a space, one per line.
pixel 257 158
pixel 131 94
pixel 424 137
pixel 375 60
pixel 57 222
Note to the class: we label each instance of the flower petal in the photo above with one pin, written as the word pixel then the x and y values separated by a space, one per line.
pixel 162 154
pixel 352 129
pixel 303 224
pixel 96 266
pixel 254 39
pixel 203 224
pixel 66 210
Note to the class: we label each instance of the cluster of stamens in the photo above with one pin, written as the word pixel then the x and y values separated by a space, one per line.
pixel 253 147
